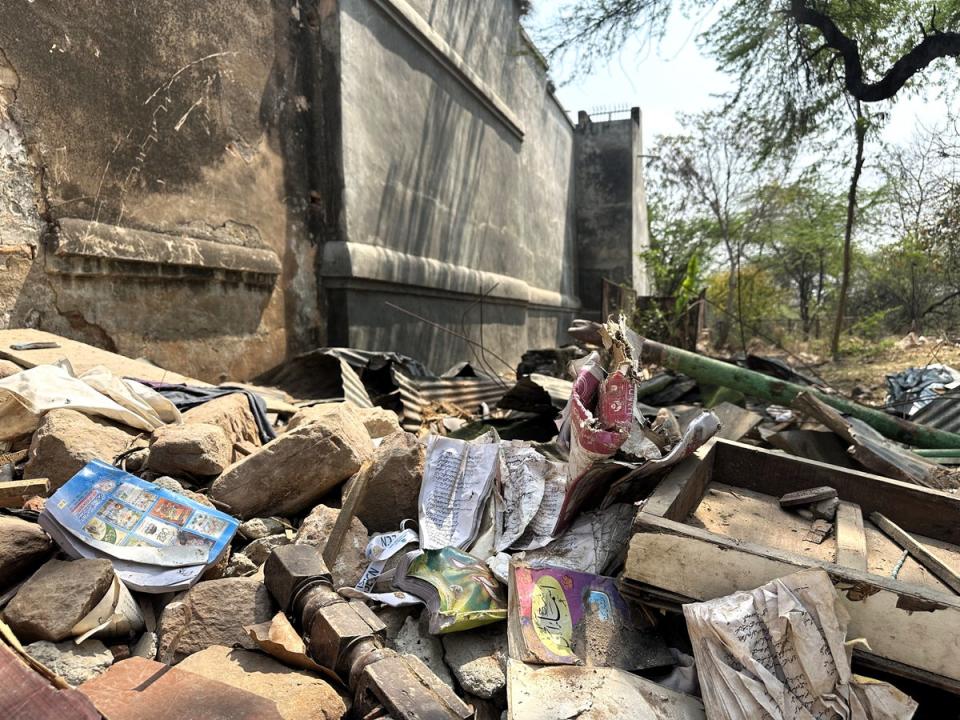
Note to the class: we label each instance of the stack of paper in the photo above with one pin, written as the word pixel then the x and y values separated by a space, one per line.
pixel 457 481
pixel 158 541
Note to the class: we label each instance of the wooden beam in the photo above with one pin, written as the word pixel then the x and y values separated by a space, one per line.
pixel 13 493
pixel 851 539
pixel 917 551
pixel 904 623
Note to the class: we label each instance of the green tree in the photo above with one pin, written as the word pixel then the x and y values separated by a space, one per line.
pixel 803 67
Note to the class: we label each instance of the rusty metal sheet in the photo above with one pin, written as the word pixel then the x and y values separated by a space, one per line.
pixel 467 393
pixel 27 695
pixel 141 689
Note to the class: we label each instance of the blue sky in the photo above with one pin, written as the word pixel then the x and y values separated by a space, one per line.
pixel 676 77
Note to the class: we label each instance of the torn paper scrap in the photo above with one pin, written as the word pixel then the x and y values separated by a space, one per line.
pixel 778 651
pixel 457 481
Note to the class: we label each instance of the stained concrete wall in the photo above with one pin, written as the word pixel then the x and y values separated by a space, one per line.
pixel 612 230
pixel 216 185
pixel 174 139
pixel 458 169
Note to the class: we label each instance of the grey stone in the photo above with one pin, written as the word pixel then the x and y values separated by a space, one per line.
pixel 257 528
pixel 212 613
pixel 478 659
pixel 146 646
pixel 393 483
pixel 67 440
pixel 232 414
pixel 395 617
pixel 56 597
pixel 8 368
pixel 240 566
pixel 168 483
pixel 290 474
pixel 351 562
pixel 825 509
pixel 259 550
pixel 414 639
pixel 74 663
pixel 23 545
pixel 195 449
pixel 378 421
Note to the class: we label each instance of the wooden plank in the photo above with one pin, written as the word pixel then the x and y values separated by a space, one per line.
pixel 82 357
pixel 735 422
pixel 749 516
pixel 679 493
pixel 851 539
pixel 352 497
pixel 903 623
pixel 13 493
pixel 914 508
pixel 918 551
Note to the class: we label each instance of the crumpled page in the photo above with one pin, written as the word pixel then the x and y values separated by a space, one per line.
pixel 591 544
pixel 26 396
pixel 778 652
pixel 522 476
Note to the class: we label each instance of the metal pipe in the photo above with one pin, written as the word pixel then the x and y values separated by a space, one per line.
pixel 715 372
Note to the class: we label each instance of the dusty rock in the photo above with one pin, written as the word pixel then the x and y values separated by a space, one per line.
pixel 350 563
pixel 240 566
pixel 67 440
pixel 290 474
pixel 168 483
pixel 395 617
pixel 259 550
pixel 8 368
pixel 478 659
pixel 56 597
pixel 23 545
pixel 196 450
pixel 232 413
pixel 414 639
pixel 212 613
pixel 393 483
pixel 257 528
pixel 378 421
pixel 299 695
pixel 145 647
pixel 74 663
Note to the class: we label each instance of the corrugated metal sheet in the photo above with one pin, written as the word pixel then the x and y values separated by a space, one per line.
pixel 942 414
pixel 467 393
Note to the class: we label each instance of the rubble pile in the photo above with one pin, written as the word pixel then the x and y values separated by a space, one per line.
pixel 622 530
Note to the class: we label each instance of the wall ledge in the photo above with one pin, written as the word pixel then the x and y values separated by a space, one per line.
pixel 87 248
pixel 419 29
pixel 362 266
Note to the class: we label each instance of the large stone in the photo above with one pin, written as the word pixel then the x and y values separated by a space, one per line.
pixel 378 421
pixel 393 483
pixel 145 647
pixel 213 613
pixel 259 550
pixel 351 562
pixel 415 639
pixel 232 413
pixel 290 474
pixel 478 659
pixel 257 528
pixel 56 597
pixel 23 545
pixel 195 450
pixel 8 368
pixel 299 695
pixel 67 440
pixel 74 663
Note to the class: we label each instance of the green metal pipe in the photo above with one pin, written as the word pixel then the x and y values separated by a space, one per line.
pixel 750 383
pixel 938 453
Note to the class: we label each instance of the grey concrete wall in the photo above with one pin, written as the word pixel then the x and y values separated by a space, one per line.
pixel 458 172
pixel 163 125
pixel 612 229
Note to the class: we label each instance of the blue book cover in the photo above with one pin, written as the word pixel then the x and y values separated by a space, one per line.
pixel 128 518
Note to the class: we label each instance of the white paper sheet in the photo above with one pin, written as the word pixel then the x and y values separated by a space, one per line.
pixel 778 651
pixel 523 473
pixel 457 482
